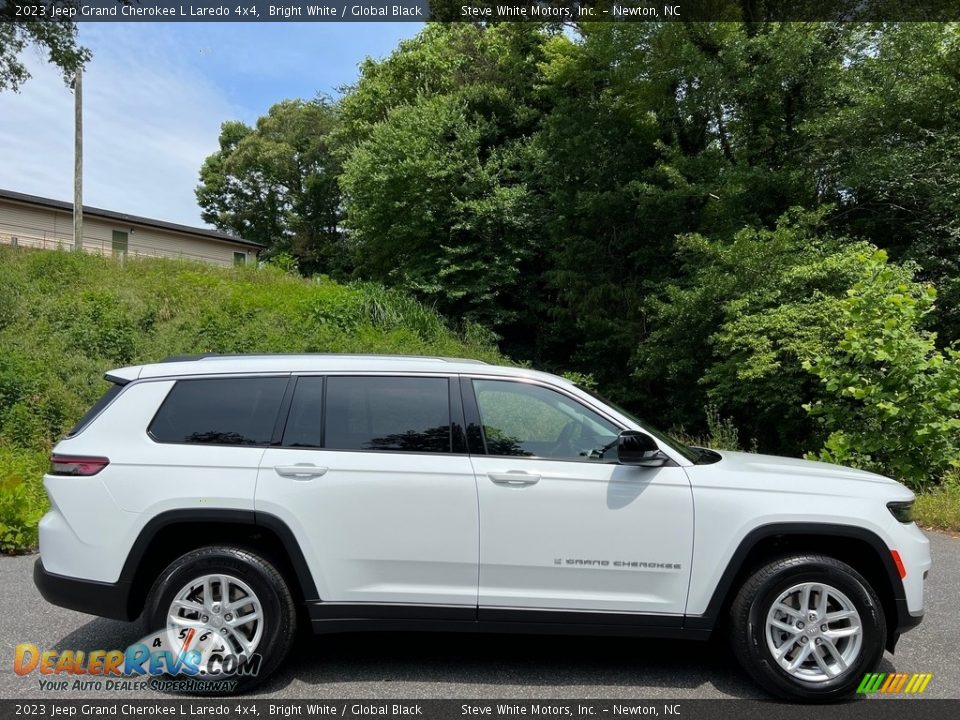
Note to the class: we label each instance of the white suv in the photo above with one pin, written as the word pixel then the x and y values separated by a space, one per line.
pixel 234 494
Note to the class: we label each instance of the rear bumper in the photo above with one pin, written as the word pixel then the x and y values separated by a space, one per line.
pixel 109 600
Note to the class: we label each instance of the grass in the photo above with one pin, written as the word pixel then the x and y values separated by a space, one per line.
pixel 939 509
pixel 66 318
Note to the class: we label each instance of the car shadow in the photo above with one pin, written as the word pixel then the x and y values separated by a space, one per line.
pixel 479 665
pixel 510 666
pixel 101 634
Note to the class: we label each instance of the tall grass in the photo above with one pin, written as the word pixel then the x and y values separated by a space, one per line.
pixel 66 318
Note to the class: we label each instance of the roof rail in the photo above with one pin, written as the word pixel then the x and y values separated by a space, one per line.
pixel 228 356
pixel 184 358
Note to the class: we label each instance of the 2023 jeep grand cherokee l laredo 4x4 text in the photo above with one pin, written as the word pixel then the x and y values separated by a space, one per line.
pixel 227 494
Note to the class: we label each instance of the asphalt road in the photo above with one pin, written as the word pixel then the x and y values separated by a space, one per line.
pixel 421 666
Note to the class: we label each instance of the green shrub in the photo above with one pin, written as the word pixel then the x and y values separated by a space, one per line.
pixel 722 433
pixel 22 498
pixel 893 397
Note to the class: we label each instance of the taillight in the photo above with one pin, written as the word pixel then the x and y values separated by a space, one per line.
pixel 81 465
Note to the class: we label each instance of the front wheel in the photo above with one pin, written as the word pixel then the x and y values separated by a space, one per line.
pixel 229 606
pixel 808 628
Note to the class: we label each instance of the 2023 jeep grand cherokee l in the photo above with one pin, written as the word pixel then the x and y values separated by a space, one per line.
pixel 230 494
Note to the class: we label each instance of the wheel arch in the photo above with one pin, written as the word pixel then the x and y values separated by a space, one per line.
pixel 859 547
pixel 170 534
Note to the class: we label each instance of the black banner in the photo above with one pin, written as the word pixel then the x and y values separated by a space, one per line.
pixel 562 11
pixel 860 709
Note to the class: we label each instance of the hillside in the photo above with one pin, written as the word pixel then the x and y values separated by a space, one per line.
pixel 66 318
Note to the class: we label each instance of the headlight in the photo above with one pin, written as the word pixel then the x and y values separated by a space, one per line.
pixel 902 510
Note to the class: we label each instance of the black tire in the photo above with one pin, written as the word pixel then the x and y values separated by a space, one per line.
pixel 269 585
pixel 748 615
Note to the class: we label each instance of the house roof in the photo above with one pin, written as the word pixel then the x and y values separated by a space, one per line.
pixel 127 219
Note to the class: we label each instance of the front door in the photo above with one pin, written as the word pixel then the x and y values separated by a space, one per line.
pixel 561 525
pixel 367 476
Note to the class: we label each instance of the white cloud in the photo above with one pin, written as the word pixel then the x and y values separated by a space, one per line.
pixel 151 116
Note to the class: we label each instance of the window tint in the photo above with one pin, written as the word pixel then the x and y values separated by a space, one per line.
pixel 98 406
pixel 221 411
pixel 388 413
pixel 306 411
pixel 533 421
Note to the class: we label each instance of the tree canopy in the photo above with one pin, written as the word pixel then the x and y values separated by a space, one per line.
pixel 58 39
pixel 276 183
pixel 675 212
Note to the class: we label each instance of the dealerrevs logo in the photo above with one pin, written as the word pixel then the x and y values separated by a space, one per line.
pixel 196 656
pixel 894 683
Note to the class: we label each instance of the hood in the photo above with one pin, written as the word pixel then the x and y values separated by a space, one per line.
pixel 773 467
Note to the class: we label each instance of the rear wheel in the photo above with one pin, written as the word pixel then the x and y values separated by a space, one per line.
pixel 230 605
pixel 808 628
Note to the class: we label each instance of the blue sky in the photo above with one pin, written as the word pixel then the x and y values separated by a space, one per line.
pixel 154 97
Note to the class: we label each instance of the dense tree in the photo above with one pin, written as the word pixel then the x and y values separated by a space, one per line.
pixel 58 39
pixel 672 211
pixel 887 149
pixel 434 206
pixel 276 184
pixel 437 181
pixel 655 131
pixel 748 313
pixel 444 59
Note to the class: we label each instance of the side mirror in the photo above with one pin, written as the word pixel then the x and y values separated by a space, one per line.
pixel 637 448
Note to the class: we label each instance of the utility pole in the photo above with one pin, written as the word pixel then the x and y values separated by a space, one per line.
pixel 78 160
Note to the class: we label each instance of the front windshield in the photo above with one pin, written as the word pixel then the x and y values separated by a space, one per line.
pixel 688 452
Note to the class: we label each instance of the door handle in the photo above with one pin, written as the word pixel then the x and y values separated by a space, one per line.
pixel 303 471
pixel 514 477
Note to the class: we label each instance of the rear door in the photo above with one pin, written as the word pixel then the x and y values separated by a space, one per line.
pixel 373 477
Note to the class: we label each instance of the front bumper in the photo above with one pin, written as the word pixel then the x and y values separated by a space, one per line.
pixel 905 622
pixel 109 600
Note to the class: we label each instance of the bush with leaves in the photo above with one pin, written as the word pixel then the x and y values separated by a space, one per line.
pixel 735 332
pixel 22 498
pixel 893 397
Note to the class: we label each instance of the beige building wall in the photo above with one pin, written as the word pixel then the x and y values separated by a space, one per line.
pixel 48 228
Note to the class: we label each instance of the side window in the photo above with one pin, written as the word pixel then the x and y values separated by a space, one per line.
pixel 532 421
pixel 220 411
pixel 400 414
pixel 304 427
pixel 98 406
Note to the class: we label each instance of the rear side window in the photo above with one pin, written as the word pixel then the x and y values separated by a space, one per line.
pixel 97 408
pixel 399 414
pixel 220 411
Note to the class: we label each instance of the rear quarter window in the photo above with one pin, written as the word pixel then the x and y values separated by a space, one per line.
pixel 220 411
pixel 97 408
